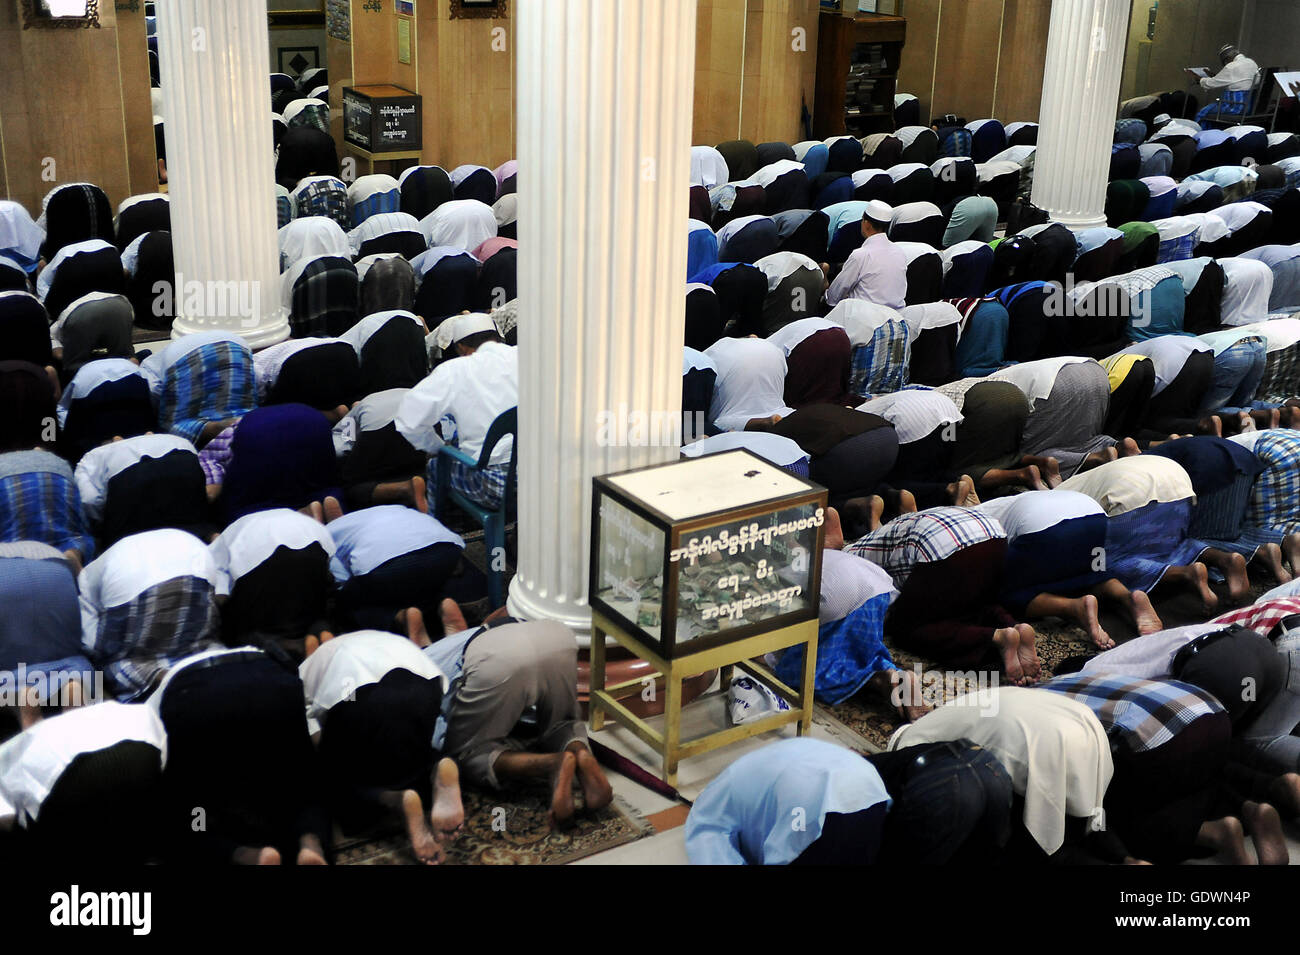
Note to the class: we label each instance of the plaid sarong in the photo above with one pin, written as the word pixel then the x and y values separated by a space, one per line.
pixel 214 382
pixel 1230 103
pixel 137 641
pixel 44 506
pixel 1281 370
pixel 325 298
pixel 880 367
pixel 1143 714
pixel 1177 249
pixel 487 486
pixel 324 197
pixel 374 204
pixel 1275 498
pixel 283 211
pixel 925 537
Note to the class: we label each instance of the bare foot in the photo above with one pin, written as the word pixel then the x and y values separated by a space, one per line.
pixel 877 504
pixel 597 793
pixel 311 643
pixel 1128 447
pixel 268 856
pixel 1216 425
pixel 448 813
pixel 333 510
pixel 1144 614
pixel 314 511
pixel 412 619
pixel 424 843
pixel 906 502
pixel 419 491
pixel 1238 581
pixel 1028 651
pixel 1053 475
pixel 1245 422
pixel 1036 478
pixel 1227 838
pixel 1265 828
pixel 1201 581
pixel 453 621
pixel 833 531
pixel 906 694
pixel 1007 640
pixel 1270 555
pixel 561 815
pixel 966 488
pixel 310 851
pixel 1086 614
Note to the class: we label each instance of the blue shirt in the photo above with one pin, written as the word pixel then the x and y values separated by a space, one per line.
pixel 767 807
pixel 374 535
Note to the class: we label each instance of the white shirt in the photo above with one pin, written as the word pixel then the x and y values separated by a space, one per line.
pixel 350 661
pixel 100 465
pixel 848 582
pixel 750 382
pixel 32 762
pixel 1036 511
pixel 360 333
pixel 474 390
pixel 254 537
pixel 376 410
pixel 462 223
pixel 381 223
pixel 876 272
pixel 789 337
pixel 1169 353
pixel 1238 74
pixel 312 236
pixel 914 413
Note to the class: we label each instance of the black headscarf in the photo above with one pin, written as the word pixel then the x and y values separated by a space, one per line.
pixel 27 395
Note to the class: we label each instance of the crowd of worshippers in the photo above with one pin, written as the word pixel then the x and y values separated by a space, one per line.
pixel 1009 429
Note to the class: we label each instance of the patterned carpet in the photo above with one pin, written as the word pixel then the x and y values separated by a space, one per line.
pixel 501 831
pixel 870 716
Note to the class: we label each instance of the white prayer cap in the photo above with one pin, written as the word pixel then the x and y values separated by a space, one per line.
pixel 879 211
pixel 459 327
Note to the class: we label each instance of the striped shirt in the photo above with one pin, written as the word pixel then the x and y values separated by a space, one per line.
pixel 925 537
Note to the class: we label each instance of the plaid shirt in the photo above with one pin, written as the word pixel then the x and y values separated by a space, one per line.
pixel 1140 715
pixel 325 299
pixel 1261 617
pixel 324 197
pixel 1275 498
pixel 283 211
pixel 880 367
pixel 211 383
pixel 924 538
pixel 44 506
pixel 1281 371
pixel 136 642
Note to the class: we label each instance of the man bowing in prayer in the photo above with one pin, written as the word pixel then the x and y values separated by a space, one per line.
pixel 877 270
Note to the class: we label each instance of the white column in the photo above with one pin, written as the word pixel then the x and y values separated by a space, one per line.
pixel 604 132
pixel 1085 59
pixel 214 59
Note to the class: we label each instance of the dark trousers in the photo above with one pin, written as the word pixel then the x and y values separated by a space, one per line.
pixel 1129 402
pixel 1173 411
pixel 241 769
pixel 856 466
pixel 371 601
pixel 952 804
pixel 847 838
pixel 948 610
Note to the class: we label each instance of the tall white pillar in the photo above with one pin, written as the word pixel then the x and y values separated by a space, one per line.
pixel 1085 60
pixel 604 133
pixel 214 59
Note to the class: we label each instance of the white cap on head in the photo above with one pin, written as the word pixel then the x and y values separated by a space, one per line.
pixel 459 327
pixel 879 211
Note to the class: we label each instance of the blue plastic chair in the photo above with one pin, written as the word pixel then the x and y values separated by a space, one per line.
pixel 493 521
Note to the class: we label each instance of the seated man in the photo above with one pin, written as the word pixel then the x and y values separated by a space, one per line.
pixel 472 390
pixel 506 674
pixel 1232 84
pixel 373 704
pixel 876 271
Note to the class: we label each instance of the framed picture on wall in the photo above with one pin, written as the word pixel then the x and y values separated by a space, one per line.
pixel 471 9
pixel 296 60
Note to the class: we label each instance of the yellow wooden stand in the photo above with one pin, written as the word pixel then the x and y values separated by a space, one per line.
pixel 741 654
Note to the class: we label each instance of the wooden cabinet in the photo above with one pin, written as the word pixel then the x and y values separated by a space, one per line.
pixel 857 73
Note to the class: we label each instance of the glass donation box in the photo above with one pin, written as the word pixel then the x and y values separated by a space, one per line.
pixel 707 551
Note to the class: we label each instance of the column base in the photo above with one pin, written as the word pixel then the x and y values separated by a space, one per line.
pixel 271 330
pixel 1078 223
pixel 525 605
